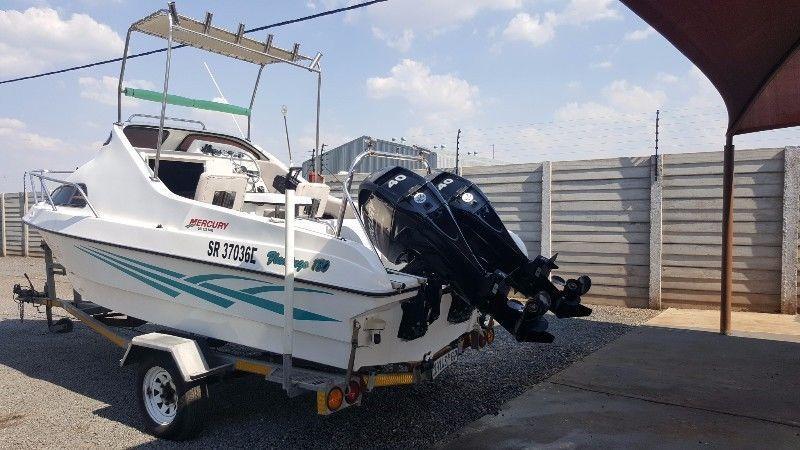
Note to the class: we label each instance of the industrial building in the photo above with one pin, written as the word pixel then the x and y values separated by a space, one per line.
pixel 338 159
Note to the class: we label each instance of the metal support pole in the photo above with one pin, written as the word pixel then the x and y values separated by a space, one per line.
pixel 49 266
pixel 727 238
pixel 122 75
pixel 253 100
pixel 458 149
pixel 317 165
pixel 25 229
pixel 657 117
pixel 288 298
pixel 163 100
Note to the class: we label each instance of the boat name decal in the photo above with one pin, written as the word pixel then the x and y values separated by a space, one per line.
pixel 233 252
pixel 319 264
pixel 207 225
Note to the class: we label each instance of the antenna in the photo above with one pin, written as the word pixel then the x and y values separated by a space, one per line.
pixel 219 90
pixel 284 111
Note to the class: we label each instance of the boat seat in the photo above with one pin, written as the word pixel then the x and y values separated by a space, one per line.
pixel 222 190
pixel 269 170
pixel 316 191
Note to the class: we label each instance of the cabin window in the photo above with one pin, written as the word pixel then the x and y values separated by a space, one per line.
pixel 67 195
pixel 194 142
pixel 144 137
pixel 180 177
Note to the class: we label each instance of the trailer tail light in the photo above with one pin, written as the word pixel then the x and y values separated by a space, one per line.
pixel 334 399
pixel 353 391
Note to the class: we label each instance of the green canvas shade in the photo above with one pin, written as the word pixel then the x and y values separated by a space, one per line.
pixel 153 96
pixel 748 50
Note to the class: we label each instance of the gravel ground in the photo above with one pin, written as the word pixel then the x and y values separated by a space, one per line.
pixel 67 390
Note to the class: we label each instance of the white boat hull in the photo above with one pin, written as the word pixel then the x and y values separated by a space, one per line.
pixel 243 307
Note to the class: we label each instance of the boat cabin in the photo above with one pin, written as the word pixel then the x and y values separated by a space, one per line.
pixel 224 171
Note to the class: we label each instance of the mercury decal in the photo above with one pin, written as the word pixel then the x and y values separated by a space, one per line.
pixel 207 225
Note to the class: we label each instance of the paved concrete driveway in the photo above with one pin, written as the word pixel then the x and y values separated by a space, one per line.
pixel 661 387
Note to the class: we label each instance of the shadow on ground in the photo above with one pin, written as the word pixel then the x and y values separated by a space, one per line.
pixel 658 388
pixel 248 411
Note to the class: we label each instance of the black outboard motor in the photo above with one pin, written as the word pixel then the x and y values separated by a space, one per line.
pixel 409 221
pixel 496 249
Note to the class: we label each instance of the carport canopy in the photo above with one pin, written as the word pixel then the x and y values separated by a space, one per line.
pixel 748 50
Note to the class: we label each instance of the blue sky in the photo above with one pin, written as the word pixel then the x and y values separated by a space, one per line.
pixel 538 79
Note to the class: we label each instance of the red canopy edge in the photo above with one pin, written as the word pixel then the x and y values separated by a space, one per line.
pixel 747 49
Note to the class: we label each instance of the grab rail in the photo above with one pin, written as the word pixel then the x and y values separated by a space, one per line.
pixel 348 184
pixel 45 193
pixel 174 119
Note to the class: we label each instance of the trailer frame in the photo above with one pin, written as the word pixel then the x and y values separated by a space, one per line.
pixel 197 364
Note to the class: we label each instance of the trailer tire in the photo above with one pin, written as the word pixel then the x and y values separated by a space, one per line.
pixel 171 409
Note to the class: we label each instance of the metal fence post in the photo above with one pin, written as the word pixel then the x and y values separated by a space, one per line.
pixel 791 215
pixel 24 205
pixel 546 241
pixel 3 239
pixel 656 235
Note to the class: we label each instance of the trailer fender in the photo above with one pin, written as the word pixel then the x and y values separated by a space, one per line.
pixel 185 352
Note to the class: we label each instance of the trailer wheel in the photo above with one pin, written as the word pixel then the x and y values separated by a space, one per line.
pixel 170 408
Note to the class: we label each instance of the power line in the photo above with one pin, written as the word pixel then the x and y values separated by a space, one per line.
pixel 151 52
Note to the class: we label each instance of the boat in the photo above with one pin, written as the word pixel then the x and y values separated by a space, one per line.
pixel 209 234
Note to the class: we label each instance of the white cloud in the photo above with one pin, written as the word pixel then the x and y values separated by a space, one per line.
pixel 421 17
pixel 14 135
pixel 38 38
pixel 663 77
pixel 104 90
pixel 640 35
pixel 578 12
pixel 538 29
pixel 22 149
pixel 601 65
pixel 535 29
pixel 574 85
pixel 401 42
pixel 439 98
pixel 630 98
pixel 414 82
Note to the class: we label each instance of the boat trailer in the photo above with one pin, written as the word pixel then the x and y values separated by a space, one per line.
pixel 174 368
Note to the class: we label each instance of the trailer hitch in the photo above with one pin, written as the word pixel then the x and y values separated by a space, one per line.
pixel 27 295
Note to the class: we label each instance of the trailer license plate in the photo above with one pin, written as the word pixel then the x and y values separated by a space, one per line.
pixel 444 361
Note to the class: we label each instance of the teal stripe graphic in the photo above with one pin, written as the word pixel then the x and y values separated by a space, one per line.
pixel 171 292
pixel 138 270
pixel 270 305
pixel 260 289
pixel 149 266
pixel 197 279
pixel 219 301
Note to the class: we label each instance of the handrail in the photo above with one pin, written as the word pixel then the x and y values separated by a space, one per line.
pixel 348 184
pixel 39 173
pixel 175 119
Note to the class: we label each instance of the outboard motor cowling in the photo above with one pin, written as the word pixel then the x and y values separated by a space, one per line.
pixel 409 221
pixel 496 249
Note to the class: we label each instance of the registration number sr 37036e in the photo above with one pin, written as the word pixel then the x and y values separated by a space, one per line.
pixel 232 252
